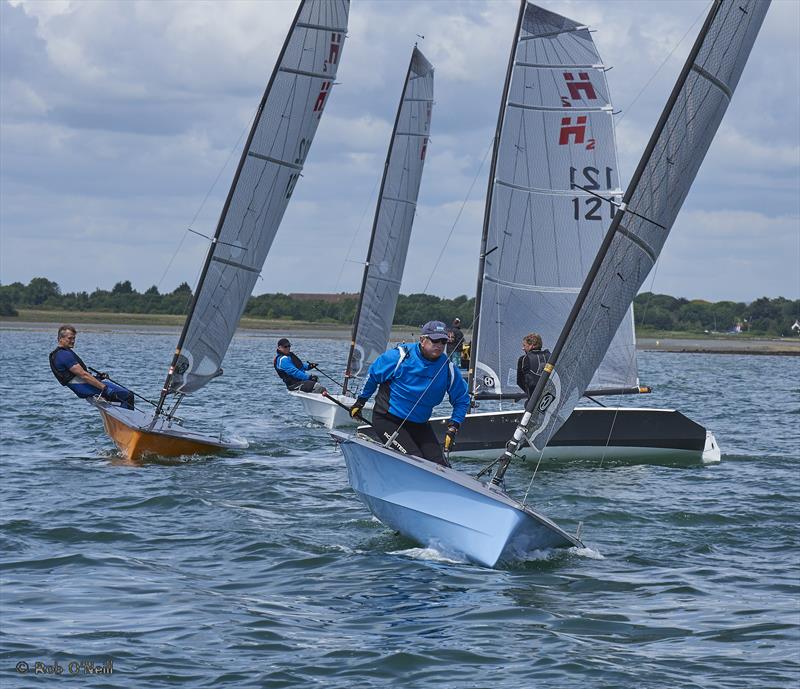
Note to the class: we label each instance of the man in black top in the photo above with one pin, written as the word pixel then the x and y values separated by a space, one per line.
pixel 531 364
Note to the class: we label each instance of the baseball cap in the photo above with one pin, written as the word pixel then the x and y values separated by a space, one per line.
pixel 283 342
pixel 434 330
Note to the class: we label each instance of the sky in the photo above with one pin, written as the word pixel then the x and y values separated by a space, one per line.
pixel 121 124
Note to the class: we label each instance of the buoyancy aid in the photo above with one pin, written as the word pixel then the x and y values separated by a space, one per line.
pixel 285 377
pixel 529 369
pixel 64 377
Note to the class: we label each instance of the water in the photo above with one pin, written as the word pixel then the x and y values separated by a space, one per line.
pixel 262 569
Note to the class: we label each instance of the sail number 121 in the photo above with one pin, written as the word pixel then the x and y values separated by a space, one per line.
pixel 590 207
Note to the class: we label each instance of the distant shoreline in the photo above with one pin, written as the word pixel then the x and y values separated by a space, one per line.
pixel 160 324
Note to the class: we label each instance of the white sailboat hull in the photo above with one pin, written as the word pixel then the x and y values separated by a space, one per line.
pixel 328 413
pixel 444 509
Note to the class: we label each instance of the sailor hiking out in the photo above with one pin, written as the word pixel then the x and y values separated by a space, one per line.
pixel 293 372
pixel 411 380
pixel 70 371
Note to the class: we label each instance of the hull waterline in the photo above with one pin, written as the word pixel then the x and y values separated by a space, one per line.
pixel 130 430
pixel 444 509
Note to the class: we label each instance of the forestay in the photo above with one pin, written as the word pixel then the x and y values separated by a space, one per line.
pixel 394 217
pixel 652 201
pixel 270 166
pixel 542 231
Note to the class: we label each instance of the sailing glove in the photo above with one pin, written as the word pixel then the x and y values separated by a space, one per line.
pixel 102 375
pixel 355 410
pixel 314 378
pixel 311 364
pixel 450 436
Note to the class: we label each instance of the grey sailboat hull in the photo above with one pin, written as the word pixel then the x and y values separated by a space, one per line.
pixel 444 509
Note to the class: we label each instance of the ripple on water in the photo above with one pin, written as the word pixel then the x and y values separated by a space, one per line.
pixel 261 568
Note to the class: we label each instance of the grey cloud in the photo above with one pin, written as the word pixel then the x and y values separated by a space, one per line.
pixel 116 118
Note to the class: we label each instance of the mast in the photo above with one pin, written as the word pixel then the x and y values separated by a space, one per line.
pixel 473 353
pixel 540 401
pixel 357 316
pixel 223 214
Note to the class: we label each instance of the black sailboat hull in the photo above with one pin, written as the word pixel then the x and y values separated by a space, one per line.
pixel 623 433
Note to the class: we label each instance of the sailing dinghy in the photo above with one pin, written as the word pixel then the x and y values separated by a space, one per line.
pixel 388 246
pixel 643 220
pixel 270 165
pixel 554 173
pixel 442 508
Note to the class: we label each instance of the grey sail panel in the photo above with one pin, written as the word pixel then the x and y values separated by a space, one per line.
pixel 270 167
pixel 653 200
pixel 543 231
pixel 394 217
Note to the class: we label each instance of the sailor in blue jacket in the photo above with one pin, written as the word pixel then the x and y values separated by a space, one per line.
pixel 411 380
pixel 292 370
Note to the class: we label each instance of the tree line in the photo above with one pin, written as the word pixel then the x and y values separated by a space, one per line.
pixel 763 316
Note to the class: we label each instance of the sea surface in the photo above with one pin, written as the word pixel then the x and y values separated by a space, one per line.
pixel 261 568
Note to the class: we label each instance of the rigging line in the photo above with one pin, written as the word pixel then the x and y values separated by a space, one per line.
pixel 205 198
pixel 355 234
pixel 458 215
pixel 625 111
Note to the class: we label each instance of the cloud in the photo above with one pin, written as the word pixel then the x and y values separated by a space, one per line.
pixel 121 122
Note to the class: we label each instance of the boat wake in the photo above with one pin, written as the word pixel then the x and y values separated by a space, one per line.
pixel 430 555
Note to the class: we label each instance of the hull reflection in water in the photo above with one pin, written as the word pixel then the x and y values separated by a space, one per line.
pixel 135 436
pixel 445 509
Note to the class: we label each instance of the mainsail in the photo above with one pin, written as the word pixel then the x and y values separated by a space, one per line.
pixel 271 163
pixel 541 229
pixel 394 218
pixel 641 224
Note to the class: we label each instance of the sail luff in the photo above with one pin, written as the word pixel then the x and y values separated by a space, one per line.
pixel 223 214
pixel 488 205
pixel 357 315
pixel 656 192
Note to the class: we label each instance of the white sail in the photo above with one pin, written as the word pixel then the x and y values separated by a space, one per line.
pixel 652 202
pixel 271 165
pixel 394 217
pixel 542 230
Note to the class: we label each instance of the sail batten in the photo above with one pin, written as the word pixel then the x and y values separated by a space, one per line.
pixel 394 218
pixel 269 168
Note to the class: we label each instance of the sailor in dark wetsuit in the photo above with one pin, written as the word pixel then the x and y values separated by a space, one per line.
pixel 293 371
pixel 531 364
pixel 69 370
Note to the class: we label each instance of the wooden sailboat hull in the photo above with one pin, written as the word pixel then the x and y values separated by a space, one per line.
pixel 328 413
pixel 130 430
pixel 631 434
pixel 444 509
